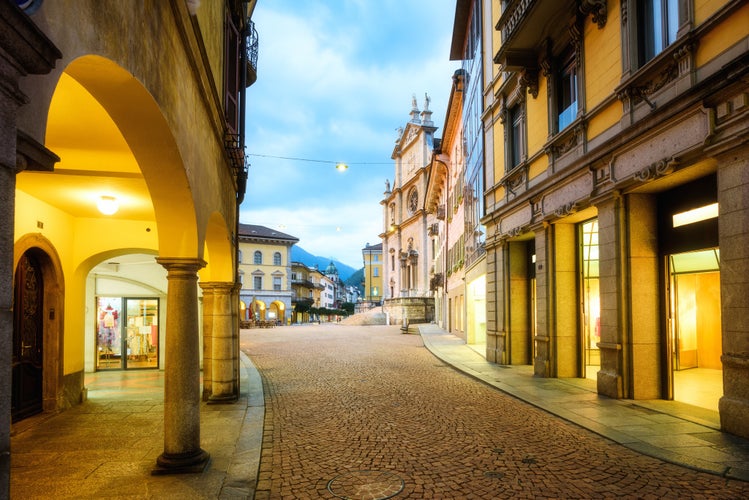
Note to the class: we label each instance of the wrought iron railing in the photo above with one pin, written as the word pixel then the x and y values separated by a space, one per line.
pixel 252 45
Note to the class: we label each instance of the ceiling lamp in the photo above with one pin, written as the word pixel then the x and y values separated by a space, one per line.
pixel 108 205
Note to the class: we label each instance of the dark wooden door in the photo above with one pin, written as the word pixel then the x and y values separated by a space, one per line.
pixel 28 333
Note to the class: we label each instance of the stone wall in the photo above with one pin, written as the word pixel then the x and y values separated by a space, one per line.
pixel 415 309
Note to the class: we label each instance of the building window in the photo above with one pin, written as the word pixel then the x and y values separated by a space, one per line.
pixel 657 26
pixel 566 91
pixel 376 272
pixel 376 257
pixel 413 201
pixel 392 262
pixel 277 259
pixel 516 136
pixel 258 257
pixel 258 281
pixel 277 283
pixel 232 47
pixel 239 255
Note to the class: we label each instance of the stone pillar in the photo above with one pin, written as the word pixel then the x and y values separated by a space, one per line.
pixel 23 50
pixel 643 301
pixel 492 298
pixel 503 303
pixel 235 312
pixel 208 301
pixel 564 295
pixel 733 186
pixel 542 361
pixel 612 286
pixel 7 210
pixel 218 318
pixel 182 452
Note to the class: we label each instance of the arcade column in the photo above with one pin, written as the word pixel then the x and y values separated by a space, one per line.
pixel 182 452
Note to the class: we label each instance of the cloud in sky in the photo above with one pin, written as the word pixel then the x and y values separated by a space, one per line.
pixel 335 81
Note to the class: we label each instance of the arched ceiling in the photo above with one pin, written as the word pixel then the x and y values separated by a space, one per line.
pixel 95 160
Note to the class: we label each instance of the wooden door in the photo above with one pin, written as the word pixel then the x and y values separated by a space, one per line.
pixel 28 333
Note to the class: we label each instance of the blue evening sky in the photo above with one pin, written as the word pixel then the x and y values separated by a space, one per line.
pixel 335 81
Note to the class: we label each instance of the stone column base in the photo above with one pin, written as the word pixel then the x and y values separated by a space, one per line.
pixel 181 463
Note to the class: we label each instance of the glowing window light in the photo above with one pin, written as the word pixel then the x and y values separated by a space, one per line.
pixel 695 215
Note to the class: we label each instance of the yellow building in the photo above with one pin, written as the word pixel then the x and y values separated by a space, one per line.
pixel 265 273
pixel 616 202
pixel 306 285
pixel 372 257
pixel 122 171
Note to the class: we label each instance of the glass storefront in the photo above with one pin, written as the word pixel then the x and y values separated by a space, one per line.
pixel 695 306
pixel 590 300
pixel 127 333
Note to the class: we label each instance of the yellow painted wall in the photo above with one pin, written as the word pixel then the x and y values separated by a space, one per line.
pixel 603 57
pixel 247 265
pixel 703 9
pixel 499 150
pixel 537 118
pixel 538 167
pixel 605 118
pixel 76 241
pixel 724 35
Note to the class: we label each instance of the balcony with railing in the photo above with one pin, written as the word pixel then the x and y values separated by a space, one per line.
pixel 251 45
pixel 525 24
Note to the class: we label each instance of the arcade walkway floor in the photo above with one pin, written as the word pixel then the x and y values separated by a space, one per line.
pixel 367 412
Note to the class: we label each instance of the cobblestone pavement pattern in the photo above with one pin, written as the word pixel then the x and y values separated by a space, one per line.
pixel 351 402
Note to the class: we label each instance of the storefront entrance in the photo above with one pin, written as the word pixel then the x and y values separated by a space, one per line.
pixel 127 333
pixel 688 242
pixel 695 327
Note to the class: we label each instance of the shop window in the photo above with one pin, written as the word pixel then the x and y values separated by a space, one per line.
pixel 277 259
pixel 590 300
pixel 258 257
pixel 657 27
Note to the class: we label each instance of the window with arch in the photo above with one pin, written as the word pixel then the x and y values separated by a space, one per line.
pixel 277 259
pixel 258 257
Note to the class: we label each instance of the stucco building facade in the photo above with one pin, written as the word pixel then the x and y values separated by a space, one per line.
pixel 616 201
pixel 95 109
pixel 405 243
pixel 265 273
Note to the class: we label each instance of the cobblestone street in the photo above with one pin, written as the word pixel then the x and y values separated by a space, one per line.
pixel 367 412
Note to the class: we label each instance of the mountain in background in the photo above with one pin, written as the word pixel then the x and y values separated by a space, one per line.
pixel 299 254
pixel 356 280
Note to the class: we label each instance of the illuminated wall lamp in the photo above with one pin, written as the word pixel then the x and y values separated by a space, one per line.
pixel 108 205
pixel 695 215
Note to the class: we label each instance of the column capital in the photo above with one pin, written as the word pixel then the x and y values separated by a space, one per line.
pixel 181 265
pixel 218 286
